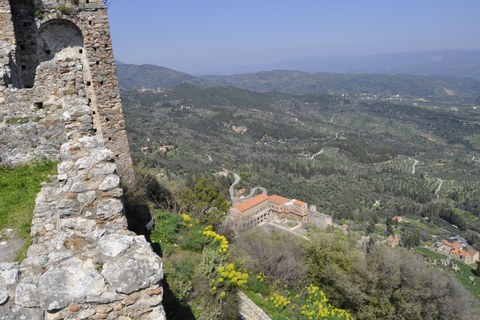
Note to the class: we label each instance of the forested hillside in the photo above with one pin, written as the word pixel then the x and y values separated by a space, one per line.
pixel 427 91
pixel 363 161
pixel 353 159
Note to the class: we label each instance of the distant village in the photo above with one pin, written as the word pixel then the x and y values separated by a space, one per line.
pixel 458 250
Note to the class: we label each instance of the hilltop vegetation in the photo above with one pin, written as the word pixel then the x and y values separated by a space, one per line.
pixel 362 161
pixel 369 149
pixel 291 278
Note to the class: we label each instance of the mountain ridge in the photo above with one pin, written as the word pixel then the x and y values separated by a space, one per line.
pixel 373 86
pixel 459 63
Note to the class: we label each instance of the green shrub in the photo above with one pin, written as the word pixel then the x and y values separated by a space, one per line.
pixel 17 120
pixel 39 15
pixel 211 258
pixel 168 225
pixel 181 278
pixel 194 239
pixel 66 10
pixel 229 306
pixel 258 286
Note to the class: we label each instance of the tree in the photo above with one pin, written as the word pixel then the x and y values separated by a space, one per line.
pixel 205 202
pixel 389 224
pixel 276 255
pixel 371 227
pixel 477 270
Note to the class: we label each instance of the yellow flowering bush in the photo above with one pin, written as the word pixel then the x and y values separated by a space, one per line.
pixel 228 277
pixel 309 304
pixel 314 305
pixel 280 302
pixel 215 237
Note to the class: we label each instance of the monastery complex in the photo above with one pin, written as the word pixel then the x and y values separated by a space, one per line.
pixel 256 210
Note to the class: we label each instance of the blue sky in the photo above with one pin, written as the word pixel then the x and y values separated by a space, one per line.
pixel 182 34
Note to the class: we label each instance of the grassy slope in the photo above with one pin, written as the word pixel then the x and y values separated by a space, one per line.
pixel 19 188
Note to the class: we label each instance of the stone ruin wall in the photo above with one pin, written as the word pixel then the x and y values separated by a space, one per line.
pixel 32 39
pixel 83 263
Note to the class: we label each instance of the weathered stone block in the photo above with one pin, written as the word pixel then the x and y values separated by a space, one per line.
pixel 87 197
pixel 26 293
pixel 115 244
pixel 13 312
pixel 3 294
pixel 130 274
pixel 107 208
pixel 110 182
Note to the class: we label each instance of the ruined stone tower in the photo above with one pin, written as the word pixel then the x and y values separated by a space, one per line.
pixel 59 98
pixel 34 34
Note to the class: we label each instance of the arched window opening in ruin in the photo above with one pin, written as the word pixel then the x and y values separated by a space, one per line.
pixel 59 36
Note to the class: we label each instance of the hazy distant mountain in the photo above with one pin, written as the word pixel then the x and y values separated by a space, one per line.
pixel 355 85
pixel 459 63
pixel 149 76
pixel 461 90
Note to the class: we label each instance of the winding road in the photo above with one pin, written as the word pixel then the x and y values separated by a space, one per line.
pixel 316 154
pixel 439 187
pixel 232 189
pixel 441 181
pixel 252 192
pixel 237 180
pixel 413 170
pixel 321 151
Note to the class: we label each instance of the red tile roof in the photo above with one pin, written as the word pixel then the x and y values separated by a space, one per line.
pixel 454 245
pixel 299 203
pixel 459 253
pixel 251 202
pixel 395 240
pixel 277 199
pixel 473 252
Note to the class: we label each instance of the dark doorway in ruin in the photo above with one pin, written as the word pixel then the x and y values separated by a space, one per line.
pixel 59 36
pixel 25 38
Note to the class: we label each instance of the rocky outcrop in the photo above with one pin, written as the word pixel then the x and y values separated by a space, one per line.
pixel 84 263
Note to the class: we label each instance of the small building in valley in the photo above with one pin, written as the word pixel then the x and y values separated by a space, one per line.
pixel 166 148
pixel 455 250
pixel 399 218
pixel 393 241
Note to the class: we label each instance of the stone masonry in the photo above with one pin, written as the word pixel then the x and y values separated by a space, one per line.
pixel 59 99
pixel 32 33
